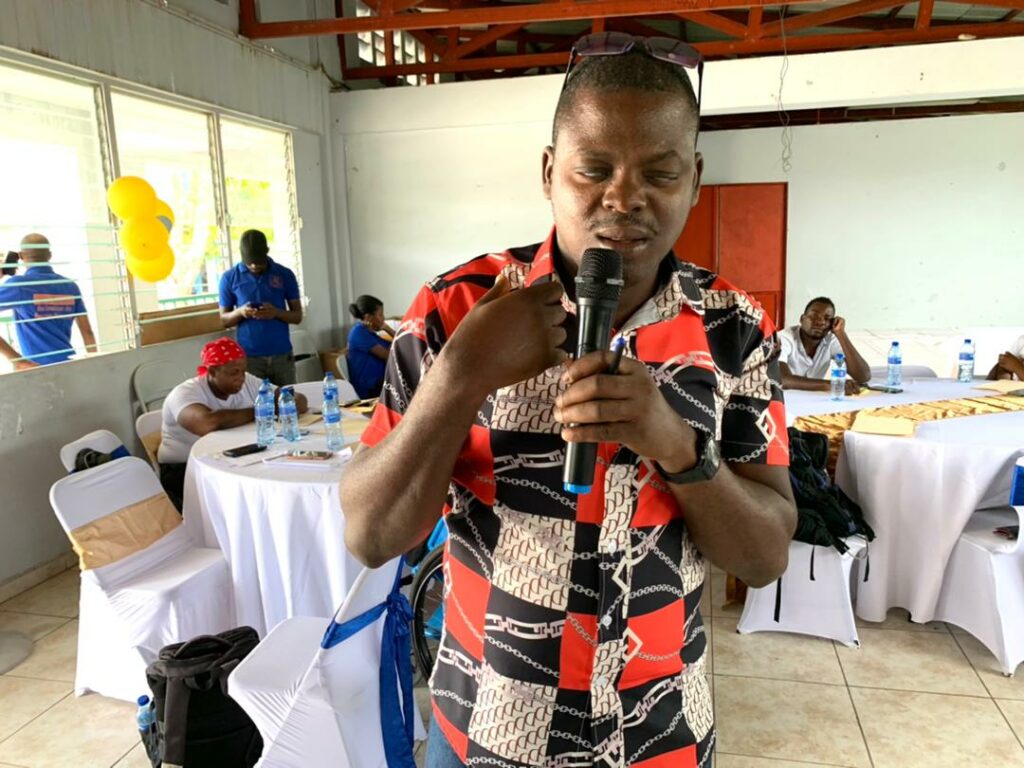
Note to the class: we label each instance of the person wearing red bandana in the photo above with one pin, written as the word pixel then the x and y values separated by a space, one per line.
pixel 220 396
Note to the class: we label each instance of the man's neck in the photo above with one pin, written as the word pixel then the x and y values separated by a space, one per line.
pixel 810 345
pixel 216 392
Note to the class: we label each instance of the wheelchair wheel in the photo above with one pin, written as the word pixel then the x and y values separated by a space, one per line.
pixel 428 610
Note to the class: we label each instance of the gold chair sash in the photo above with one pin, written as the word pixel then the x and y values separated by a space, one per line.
pixel 124 532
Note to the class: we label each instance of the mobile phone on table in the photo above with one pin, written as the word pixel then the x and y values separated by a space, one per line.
pixel 309 455
pixel 884 388
pixel 244 450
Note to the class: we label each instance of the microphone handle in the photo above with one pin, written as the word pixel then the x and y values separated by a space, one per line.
pixel 595 332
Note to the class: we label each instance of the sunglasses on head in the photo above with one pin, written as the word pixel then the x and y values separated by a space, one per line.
pixel 618 43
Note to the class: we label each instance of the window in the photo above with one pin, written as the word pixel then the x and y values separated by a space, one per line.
pixel 50 152
pixel 259 188
pixel 170 148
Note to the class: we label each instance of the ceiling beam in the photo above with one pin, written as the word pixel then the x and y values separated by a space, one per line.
pixel 754 16
pixel 716 22
pixel 501 13
pixel 924 14
pixel 818 18
pixel 716 49
pixel 482 40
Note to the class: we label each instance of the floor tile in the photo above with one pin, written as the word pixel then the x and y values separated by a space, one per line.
pixel 910 661
pixel 930 730
pixel 743 761
pixel 898 618
pixel 54 656
pixel 788 720
pixel 719 607
pixel 55 597
pixel 30 624
pixel 991 674
pixel 79 732
pixel 1014 711
pixel 134 759
pixel 21 701
pixel 774 654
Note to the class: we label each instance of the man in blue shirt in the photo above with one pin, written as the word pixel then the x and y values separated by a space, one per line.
pixel 45 305
pixel 262 299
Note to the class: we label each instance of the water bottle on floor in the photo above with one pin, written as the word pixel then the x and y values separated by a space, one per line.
pixel 894 377
pixel 837 375
pixel 265 414
pixel 965 369
pixel 330 386
pixel 289 413
pixel 332 423
pixel 145 715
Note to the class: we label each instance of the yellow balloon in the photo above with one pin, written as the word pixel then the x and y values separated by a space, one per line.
pixel 144 238
pixel 130 197
pixel 165 214
pixel 152 270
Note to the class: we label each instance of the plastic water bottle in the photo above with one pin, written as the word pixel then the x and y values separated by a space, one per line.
pixel 265 414
pixel 837 373
pixel 895 370
pixel 965 369
pixel 330 386
pixel 332 423
pixel 289 413
pixel 145 715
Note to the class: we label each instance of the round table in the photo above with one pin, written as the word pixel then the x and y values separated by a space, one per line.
pixel 280 528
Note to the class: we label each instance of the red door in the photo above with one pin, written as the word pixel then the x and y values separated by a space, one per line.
pixel 739 231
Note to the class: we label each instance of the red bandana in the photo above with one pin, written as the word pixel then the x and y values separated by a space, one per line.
pixel 219 352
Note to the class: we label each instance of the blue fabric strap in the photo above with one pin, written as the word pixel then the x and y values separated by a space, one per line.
pixel 396 714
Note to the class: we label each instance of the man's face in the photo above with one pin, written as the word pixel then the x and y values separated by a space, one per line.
pixel 257 266
pixel 816 322
pixel 228 378
pixel 623 175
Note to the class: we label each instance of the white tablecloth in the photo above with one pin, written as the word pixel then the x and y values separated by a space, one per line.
pixel 918 493
pixel 800 403
pixel 280 528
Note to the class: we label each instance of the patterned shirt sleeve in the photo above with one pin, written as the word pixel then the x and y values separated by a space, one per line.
pixel 754 422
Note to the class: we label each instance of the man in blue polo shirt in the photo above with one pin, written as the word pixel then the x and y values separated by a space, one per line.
pixel 262 299
pixel 45 305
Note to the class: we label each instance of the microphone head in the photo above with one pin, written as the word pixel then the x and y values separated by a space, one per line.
pixel 600 275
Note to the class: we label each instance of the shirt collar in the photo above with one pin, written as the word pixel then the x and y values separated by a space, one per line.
pixel 39 268
pixel 677 284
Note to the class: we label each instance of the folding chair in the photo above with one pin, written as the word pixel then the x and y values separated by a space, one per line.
pixel 149 427
pixel 153 381
pixel 144 585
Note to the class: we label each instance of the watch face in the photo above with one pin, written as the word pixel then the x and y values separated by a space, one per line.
pixel 712 457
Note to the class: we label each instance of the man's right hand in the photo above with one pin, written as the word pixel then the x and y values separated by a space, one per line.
pixel 24 365
pixel 852 388
pixel 508 336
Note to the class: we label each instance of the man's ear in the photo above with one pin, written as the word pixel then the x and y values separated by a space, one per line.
pixel 547 168
pixel 698 171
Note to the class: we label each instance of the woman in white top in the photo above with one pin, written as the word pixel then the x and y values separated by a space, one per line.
pixel 220 396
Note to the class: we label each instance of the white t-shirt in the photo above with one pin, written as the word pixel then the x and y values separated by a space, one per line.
pixel 176 442
pixel 795 356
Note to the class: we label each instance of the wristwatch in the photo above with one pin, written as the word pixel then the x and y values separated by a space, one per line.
pixel 708 459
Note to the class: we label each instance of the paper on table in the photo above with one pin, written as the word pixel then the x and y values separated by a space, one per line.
pixel 873 424
pixel 1003 385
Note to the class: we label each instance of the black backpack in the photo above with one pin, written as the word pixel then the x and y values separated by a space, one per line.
pixel 198 724
pixel 826 515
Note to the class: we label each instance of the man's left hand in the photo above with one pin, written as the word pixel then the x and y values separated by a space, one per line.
pixel 265 312
pixel 1011 364
pixel 625 408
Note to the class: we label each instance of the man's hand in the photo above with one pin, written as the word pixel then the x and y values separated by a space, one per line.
pixel 626 408
pixel 248 311
pixel 508 336
pixel 852 388
pixel 1011 364
pixel 265 312
pixel 839 326
pixel 24 365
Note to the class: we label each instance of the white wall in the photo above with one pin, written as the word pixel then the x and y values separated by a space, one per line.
pixel 878 212
pixel 141 43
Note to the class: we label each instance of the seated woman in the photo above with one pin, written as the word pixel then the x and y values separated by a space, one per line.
pixel 367 352
pixel 221 396
pixel 1011 364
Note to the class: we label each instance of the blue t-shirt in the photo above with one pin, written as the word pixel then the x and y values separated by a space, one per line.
pixel 365 371
pixel 277 286
pixel 42 293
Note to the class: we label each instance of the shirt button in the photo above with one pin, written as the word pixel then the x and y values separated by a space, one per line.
pixel 606 621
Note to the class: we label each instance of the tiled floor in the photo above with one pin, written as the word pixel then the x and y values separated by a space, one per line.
pixel 910 696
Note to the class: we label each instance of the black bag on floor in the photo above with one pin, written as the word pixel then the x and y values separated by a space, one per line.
pixel 198 724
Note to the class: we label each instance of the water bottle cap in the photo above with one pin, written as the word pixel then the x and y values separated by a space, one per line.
pixel 142 701
pixel 895 343
pixel 967 341
pixel 840 356
pixel 329 375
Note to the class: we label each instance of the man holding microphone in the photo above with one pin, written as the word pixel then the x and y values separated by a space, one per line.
pixel 573 634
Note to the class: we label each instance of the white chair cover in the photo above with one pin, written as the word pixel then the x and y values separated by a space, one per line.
pixel 983 586
pixel 822 607
pixel 307 361
pixel 129 609
pixel 102 440
pixel 148 428
pixel 317 706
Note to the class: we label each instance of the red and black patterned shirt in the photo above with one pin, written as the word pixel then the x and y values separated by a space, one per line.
pixel 573 635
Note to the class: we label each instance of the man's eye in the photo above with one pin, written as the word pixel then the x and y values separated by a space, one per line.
pixel 662 178
pixel 594 174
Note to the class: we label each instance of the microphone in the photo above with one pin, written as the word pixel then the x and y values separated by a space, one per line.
pixel 598 288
